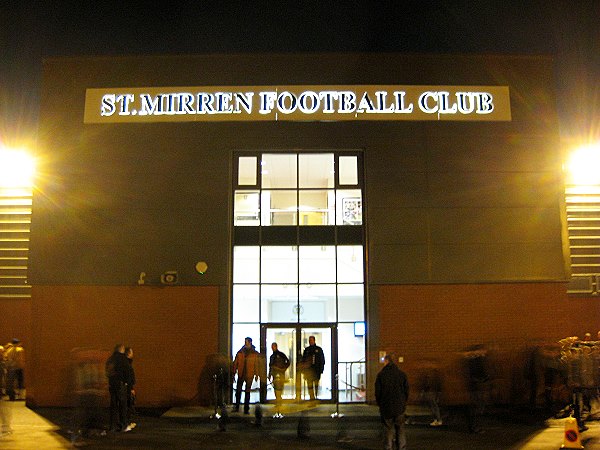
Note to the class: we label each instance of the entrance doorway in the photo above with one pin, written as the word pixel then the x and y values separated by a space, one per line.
pixel 298 252
pixel 292 340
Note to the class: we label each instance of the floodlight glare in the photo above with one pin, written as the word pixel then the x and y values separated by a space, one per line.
pixel 583 166
pixel 17 168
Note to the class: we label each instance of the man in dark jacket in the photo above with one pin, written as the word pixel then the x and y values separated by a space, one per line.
pixel 391 393
pixel 313 361
pixel 117 372
pixel 278 364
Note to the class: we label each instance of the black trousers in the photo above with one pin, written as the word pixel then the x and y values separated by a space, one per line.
pixel 238 394
pixel 118 405
pixel 14 376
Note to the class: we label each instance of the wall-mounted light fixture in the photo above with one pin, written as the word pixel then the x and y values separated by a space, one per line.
pixel 169 278
pixel 201 267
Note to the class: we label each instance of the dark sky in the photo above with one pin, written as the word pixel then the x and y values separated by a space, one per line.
pixel 567 30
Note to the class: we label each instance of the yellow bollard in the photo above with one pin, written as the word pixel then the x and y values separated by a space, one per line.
pixel 571 436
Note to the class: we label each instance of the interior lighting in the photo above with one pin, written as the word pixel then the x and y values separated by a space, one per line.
pixel 17 168
pixel 583 166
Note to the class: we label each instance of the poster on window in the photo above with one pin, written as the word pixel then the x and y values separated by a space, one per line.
pixel 352 211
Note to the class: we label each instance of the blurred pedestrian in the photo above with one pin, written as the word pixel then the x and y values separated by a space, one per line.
pixel 313 361
pixel 278 364
pixel 5 418
pixel 391 394
pixel 429 384
pixel 131 395
pixel 15 367
pixel 477 376
pixel 2 372
pixel 117 372
pixel 246 366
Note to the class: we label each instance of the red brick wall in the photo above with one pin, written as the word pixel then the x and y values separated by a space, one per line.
pixel 439 321
pixel 172 330
pixel 15 320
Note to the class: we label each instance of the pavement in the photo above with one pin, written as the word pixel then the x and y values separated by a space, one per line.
pixel 304 426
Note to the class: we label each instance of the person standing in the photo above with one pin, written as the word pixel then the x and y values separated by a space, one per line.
pixel 15 366
pixel 130 389
pixel 246 365
pixel 278 364
pixel 313 361
pixel 391 394
pixel 117 373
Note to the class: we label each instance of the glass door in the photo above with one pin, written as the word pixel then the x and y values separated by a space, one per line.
pixel 295 342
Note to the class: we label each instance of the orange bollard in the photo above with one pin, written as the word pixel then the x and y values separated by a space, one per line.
pixel 571 436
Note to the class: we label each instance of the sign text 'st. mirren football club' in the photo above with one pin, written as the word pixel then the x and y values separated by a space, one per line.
pixel 298 103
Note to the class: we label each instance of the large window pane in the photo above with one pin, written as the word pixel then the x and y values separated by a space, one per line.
pixel 317 264
pixel 246 302
pixel 247 170
pixel 317 303
pixel 317 207
pixel 279 303
pixel 246 208
pixel 279 207
pixel 348 207
pixel 348 170
pixel 246 264
pixel 351 364
pixel 350 264
pixel 279 264
pixel 316 170
pixel 279 171
pixel 351 302
pixel 352 347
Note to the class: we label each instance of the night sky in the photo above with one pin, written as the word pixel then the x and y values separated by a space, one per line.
pixel 567 30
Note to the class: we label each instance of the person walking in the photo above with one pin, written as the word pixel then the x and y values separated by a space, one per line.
pixel 391 394
pixel 429 386
pixel 477 378
pixel 15 367
pixel 117 373
pixel 246 366
pixel 278 364
pixel 130 389
pixel 313 361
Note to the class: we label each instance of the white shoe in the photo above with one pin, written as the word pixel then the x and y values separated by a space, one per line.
pixel 127 429
pixel 436 423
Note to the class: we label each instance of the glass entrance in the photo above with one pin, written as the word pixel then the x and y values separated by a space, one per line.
pixel 298 254
pixel 293 342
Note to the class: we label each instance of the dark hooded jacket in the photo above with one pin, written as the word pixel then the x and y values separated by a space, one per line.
pixel 391 391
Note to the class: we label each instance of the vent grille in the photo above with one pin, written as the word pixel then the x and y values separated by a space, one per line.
pixel 15 223
pixel 583 222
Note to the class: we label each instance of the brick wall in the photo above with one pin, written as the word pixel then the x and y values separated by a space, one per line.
pixel 173 331
pixel 15 320
pixel 440 321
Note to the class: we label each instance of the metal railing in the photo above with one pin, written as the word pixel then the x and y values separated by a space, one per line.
pixel 352 386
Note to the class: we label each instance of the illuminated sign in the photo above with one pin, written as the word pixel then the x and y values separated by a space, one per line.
pixel 297 103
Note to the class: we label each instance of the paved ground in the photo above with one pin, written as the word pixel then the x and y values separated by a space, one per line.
pixel 193 428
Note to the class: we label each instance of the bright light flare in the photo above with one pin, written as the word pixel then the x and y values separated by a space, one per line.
pixel 17 168
pixel 583 166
